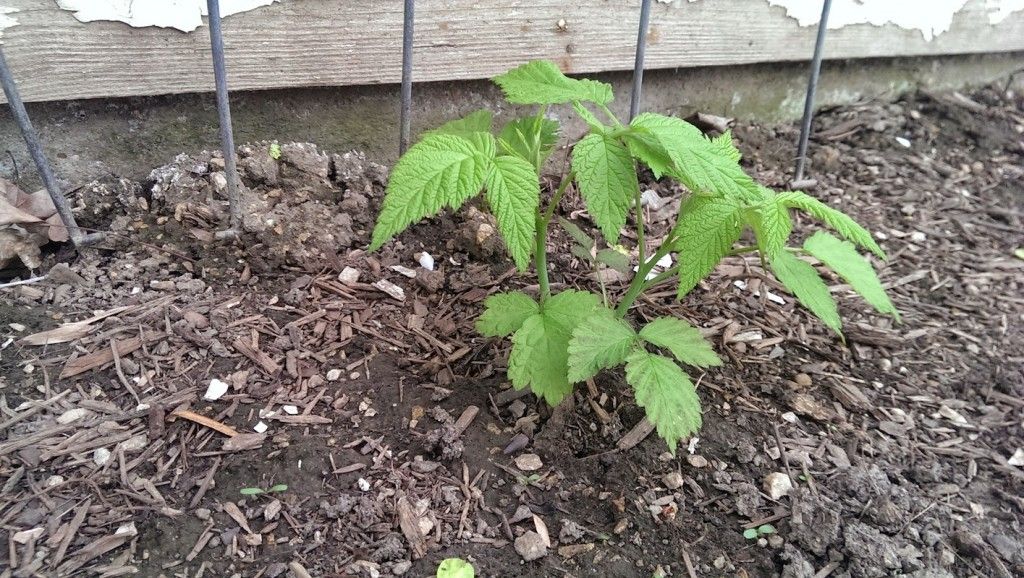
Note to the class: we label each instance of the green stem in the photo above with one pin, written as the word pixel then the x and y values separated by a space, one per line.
pixel 741 250
pixel 639 282
pixel 641 244
pixel 540 258
pixel 550 211
pixel 611 116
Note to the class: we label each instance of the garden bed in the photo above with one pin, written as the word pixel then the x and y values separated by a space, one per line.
pixel 391 422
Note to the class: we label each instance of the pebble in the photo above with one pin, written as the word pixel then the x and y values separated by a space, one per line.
pixel 202 513
pixel 101 456
pixel 529 462
pixel 802 379
pixel 777 484
pixel 334 375
pixel 697 461
pixel 672 480
pixel 401 568
pixel 349 275
pixel 531 546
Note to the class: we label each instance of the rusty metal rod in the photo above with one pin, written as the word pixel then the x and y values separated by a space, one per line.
pixel 812 88
pixel 227 137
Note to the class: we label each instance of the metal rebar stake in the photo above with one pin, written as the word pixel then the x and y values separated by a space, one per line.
pixel 35 149
pixel 405 119
pixel 641 50
pixel 227 137
pixel 812 88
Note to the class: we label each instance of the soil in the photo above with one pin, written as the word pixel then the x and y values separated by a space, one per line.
pixel 393 427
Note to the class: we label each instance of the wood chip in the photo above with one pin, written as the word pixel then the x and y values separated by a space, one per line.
pixel 408 521
pixel 205 421
pixel 636 435
pixel 268 365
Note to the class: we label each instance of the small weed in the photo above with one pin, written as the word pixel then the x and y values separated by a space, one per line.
pixel 258 491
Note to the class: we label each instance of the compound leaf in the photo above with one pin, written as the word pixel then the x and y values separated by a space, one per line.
pixel 607 179
pixel 541 82
pixel 772 226
pixel 705 232
pixel 440 170
pixel 697 162
pixel 843 224
pixel 504 313
pixel 614 260
pixel 685 341
pixel 588 117
pixel 576 233
pixel 599 342
pixel 723 144
pixel 646 148
pixel 513 192
pixel 539 358
pixel 666 394
pixel 803 281
pixel 529 138
pixel 474 122
pixel 843 258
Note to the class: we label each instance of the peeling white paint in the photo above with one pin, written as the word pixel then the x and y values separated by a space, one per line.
pixel 930 17
pixel 5 20
pixel 184 15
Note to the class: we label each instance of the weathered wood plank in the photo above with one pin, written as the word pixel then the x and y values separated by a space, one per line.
pixel 330 43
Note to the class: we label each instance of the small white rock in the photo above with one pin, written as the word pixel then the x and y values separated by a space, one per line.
pixel 529 462
pixel 651 199
pixel 349 275
pixel 363 485
pixel 290 409
pixel 404 271
pixel 394 291
pixel 697 461
pixel 672 480
pixel 531 546
pixel 54 480
pixel 101 456
pixel 17 327
pixel 73 415
pixel 260 427
pixel 1017 459
pixel 215 390
pixel 777 484
pixel 918 237
pixel 334 375
pixel 903 142
pixel 790 417
pixel 426 261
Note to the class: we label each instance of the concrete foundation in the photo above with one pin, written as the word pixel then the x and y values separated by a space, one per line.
pixel 128 137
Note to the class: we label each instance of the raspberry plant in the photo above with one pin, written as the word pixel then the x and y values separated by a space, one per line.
pixel 562 339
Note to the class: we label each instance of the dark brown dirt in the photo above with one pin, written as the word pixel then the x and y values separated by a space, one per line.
pixel 898 441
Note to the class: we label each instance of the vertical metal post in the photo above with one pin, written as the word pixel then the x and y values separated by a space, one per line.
pixel 638 65
pixel 812 88
pixel 227 138
pixel 405 120
pixel 35 149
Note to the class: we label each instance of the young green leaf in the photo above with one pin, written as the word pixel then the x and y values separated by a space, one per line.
pixel 705 233
pixel 803 281
pixel 614 260
pixel 843 258
pixel 588 117
pixel 539 358
pixel 277 488
pixel 251 491
pixel 684 341
pixel 474 122
pixel 723 144
pixel 600 342
pixel 645 147
pixel 513 193
pixel 772 226
pixel 607 179
pixel 438 171
pixel 576 233
pixel 504 313
pixel 541 82
pixel 696 161
pixel 530 139
pixel 666 394
pixel 843 224
pixel 455 568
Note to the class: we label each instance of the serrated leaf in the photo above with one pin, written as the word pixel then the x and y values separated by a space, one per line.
pixel 576 233
pixel 666 394
pixel 706 231
pixel 541 82
pixel 725 147
pixel 843 224
pixel 539 358
pixel 614 259
pixel 607 180
pixel 583 253
pixel 772 225
pixel 474 122
pixel 504 313
pixel 601 341
pixel 685 341
pixel 697 162
pixel 803 281
pixel 588 117
pixel 843 258
pixel 513 192
pixel 530 139
pixel 646 148
pixel 438 171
